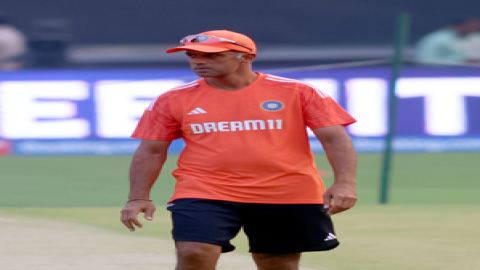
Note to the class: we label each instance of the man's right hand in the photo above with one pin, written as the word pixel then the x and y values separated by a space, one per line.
pixel 131 210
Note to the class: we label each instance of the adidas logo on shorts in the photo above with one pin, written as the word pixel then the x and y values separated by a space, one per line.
pixel 330 236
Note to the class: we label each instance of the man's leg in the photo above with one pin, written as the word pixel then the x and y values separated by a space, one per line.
pixel 277 261
pixel 197 256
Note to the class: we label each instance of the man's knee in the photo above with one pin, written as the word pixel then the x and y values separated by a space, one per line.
pixel 197 253
pixel 277 261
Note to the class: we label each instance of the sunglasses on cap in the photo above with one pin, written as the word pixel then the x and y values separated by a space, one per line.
pixel 209 39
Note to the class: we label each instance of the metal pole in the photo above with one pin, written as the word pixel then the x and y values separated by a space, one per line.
pixel 401 32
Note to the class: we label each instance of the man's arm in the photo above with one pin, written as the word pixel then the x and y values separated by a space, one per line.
pixel 341 155
pixel 145 168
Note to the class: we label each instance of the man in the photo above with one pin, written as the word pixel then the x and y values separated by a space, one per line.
pixel 13 46
pixel 247 161
pixel 447 44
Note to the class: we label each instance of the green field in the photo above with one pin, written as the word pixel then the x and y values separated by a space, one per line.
pixel 431 222
pixel 84 181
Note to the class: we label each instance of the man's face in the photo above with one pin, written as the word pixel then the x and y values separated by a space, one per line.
pixel 213 64
pixel 473 26
pixel 469 27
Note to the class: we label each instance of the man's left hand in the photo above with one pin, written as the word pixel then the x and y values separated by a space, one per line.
pixel 344 197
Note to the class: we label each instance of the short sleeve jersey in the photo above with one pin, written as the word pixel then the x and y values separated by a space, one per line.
pixel 248 145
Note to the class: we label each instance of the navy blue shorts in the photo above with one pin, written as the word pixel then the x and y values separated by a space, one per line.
pixel 270 228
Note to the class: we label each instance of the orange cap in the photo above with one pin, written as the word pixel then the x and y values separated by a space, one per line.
pixel 221 46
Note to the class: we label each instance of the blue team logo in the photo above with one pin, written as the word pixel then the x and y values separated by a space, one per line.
pixel 272 105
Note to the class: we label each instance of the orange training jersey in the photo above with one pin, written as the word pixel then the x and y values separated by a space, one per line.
pixel 248 145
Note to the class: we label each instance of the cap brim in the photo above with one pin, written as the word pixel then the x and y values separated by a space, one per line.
pixel 198 47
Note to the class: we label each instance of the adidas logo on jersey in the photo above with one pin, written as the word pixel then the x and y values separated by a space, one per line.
pixel 330 236
pixel 197 111
pixel 237 126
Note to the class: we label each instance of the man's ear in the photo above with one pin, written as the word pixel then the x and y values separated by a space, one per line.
pixel 248 57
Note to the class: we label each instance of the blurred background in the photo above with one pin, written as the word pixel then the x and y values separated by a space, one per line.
pixel 119 34
pixel 75 77
pixel 84 71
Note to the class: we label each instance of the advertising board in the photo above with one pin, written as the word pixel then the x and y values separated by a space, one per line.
pixel 95 111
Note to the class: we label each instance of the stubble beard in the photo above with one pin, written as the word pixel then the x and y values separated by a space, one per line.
pixel 207 73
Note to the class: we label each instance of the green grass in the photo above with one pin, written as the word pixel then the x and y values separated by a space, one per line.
pixel 373 237
pixel 431 223
pixel 85 181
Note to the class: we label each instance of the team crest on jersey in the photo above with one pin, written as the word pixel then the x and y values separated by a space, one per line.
pixel 272 105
